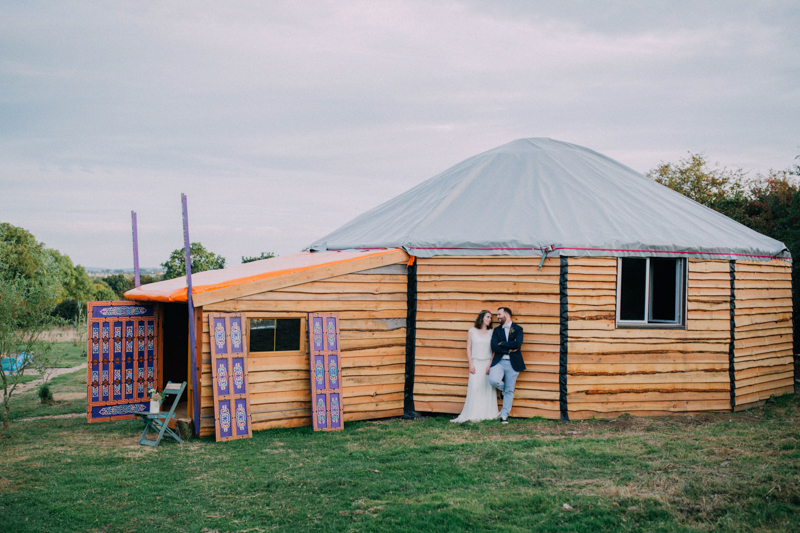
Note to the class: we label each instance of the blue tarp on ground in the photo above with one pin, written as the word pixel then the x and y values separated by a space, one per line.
pixel 12 364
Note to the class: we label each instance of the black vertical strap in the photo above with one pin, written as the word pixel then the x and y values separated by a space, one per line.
pixel 562 360
pixel 411 342
pixel 731 346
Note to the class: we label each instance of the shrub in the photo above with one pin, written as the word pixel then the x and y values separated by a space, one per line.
pixel 45 394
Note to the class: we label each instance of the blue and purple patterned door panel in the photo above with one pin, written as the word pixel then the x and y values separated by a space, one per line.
pixel 151 354
pixel 141 392
pixel 94 376
pixel 106 361
pixel 236 334
pixel 336 411
pixel 317 333
pixel 326 372
pixel 333 371
pixel 229 370
pixel 225 425
pixel 237 376
pixel 222 379
pixel 128 366
pixel 220 336
pixel 242 417
pixel 318 378
pixel 123 358
pixel 332 333
pixel 321 412
pixel 116 377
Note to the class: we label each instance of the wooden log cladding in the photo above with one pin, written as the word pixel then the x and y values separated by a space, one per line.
pixel 610 370
pixel 481 297
pixel 551 263
pixel 372 311
pixel 299 296
pixel 451 291
pixel 613 370
pixel 346 309
pixel 480 287
pixel 652 371
pixel 587 415
pixel 370 261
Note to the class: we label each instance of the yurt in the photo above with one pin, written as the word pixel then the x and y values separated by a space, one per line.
pixel 633 299
pixel 647 303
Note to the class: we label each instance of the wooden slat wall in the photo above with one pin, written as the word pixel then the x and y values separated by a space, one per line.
pixel 611 371
pixel 451 291
pixel 646 371
pixel 763 334
pixel 372 310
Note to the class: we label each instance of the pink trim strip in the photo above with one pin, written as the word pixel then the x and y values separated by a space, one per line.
pixel 586 249
pixel 672 252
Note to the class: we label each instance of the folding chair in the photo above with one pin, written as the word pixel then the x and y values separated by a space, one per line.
pixel 159 422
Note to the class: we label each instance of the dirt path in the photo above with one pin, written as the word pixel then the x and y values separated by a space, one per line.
pixel 68 415
pixel 56 372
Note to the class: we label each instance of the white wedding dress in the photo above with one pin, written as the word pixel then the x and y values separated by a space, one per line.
pixel 481 402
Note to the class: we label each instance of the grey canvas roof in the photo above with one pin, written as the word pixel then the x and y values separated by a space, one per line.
pixel 532 193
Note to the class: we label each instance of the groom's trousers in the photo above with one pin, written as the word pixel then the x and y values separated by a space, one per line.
pixel 503 378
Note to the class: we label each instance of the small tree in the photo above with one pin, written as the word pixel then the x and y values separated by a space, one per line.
pixel 77 283
pixel 80 325
pixel 22 255
pixel 148 278
pixel 693 178
pixel 119 283
pixel 202 260
pixel 264 255
pixel 27 299
pixel 102 292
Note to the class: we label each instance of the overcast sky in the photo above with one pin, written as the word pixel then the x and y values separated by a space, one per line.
pixel 283 121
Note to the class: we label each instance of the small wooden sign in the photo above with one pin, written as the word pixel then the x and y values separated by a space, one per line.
pixel 326 371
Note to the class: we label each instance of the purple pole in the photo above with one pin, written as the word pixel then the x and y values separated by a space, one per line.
pixel 192 326
pixel 136 280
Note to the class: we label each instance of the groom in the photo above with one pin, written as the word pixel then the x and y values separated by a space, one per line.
pixel 507 361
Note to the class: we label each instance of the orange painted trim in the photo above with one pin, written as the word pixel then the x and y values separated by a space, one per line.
pixel 180 295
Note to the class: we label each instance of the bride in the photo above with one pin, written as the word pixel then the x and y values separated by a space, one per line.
pixel 481 402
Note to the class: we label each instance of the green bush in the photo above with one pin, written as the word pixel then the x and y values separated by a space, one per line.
pixel 68 309
pixel 45 394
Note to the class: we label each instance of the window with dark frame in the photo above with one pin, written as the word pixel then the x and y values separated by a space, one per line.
pixel 651 291
pixel 275 334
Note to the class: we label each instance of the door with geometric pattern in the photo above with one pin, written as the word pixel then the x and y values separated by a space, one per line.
pixel 228 337
pixel 326 371
pixel 122 349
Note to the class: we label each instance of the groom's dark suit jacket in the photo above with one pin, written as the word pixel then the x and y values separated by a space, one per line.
pixel 501 346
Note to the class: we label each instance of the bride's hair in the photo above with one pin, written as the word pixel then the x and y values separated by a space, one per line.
pixel 479 320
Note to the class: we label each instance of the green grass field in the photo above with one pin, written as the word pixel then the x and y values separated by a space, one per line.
pixel 66 387
pixel 69 353
pixel 729 472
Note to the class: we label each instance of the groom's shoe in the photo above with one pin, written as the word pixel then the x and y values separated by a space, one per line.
pixel 504 420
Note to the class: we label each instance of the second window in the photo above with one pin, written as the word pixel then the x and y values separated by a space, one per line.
pixel 650 291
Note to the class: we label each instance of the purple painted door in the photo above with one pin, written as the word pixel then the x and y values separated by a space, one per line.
pixel 228 337
pixel 326 372
pixel 122 350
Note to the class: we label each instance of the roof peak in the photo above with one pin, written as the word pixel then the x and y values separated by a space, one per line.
pixel 534 192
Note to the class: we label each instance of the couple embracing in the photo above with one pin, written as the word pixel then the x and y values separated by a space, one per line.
pixel 495 362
